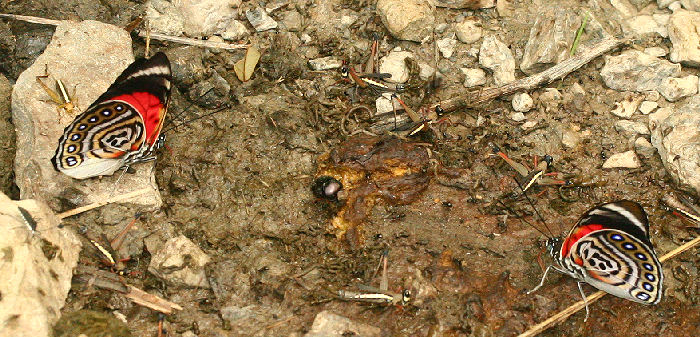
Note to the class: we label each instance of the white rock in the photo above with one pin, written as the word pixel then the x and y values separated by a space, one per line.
pixel 634 70
pixel 675 134
pixel 473 77
pixel 447 46
pixel 522 102
pixel 235 31
pixel 624 7
pixel 647 107
pixel 631 128
pixel 164 17
pixel 385 104
pixel 569 136
pixel 691 5
pixel 518 116
pixel 528 125
pixel 77 49
pixel 34 284
pixel 655 51
pixel 675 6
pixel 550 95
pixel 394 64
pixel 327 324
pixel 652 95
pixel 673 88
pixel 577 89
pixel 259 19
pixel 684 31
pixel 325 63
pixel 496 56
pixel 207 17
pixel 627 159
pixel 410 20
pixel 469 30
pixel 180 261
pixel 305 38
pixel 627 107
pixel 661 18
pixel 644 24
pixel 643 148
pixel 664 3
pixel 426 71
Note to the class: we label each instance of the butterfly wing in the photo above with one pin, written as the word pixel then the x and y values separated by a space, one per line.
pixel 121 126
pixel 620 264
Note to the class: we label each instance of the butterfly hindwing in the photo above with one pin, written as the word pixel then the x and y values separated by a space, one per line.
pixel 618 263
pixel 122 126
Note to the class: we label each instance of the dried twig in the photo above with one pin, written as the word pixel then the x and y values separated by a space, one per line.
pixel 154 36
pixel 104 202
pixel 154 302
pixel 477 98
pixel 564 314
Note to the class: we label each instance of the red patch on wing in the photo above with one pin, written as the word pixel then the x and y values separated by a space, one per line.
pixel 577 235
pixel 151 110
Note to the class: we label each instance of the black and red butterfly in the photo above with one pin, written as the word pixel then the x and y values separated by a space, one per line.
pixel 122 127
pixel 609 248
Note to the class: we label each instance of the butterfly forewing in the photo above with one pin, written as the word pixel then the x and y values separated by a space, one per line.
pixel 121 126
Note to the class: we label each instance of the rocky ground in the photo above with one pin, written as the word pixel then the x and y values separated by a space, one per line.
pixel 242 244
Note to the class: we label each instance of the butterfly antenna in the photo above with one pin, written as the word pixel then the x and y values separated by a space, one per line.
pixel 197 118
pixel 539 217
pixel 521 218
pixel 178 116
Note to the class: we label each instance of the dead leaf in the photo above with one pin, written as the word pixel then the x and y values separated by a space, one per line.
pixel 244 68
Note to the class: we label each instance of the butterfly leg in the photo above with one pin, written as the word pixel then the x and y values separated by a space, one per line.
pixel 544 277
pixel 580 289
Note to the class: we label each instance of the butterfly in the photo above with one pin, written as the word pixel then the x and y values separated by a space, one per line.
pixel 122 126
pixel 609 248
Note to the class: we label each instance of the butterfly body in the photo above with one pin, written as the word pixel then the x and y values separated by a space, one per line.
pixel 122 126
pixel 609 248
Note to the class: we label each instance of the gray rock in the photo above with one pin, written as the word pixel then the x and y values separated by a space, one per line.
pixel 259 19
pixel 77 49
pixel 164 17
pixel 469 30
pixel 642 25
pixel 641 3
pixel 664 3
pixel 235 31
pixel 550 95
pixel 626 159
pixel 634 70
pixel 327 324
pixel 426 71
pixel 465 4
pixel 631 128
pixel 675 134
pixel 673 88
pixel 325 63
pixel 473 77
pixel 410 20
pixel 675 6
pixel 187 65
pixel 447 46
pixel 627 107
pixel 394 63
pixel 684 31
pixel 210 93
pixel 496 56
pixel 522 102
pixel 180 261
pixel 646 107
pixel 34 285
pixel 644 148
pixel 549 41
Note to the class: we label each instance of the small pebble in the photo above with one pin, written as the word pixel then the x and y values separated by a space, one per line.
pixel 622 160
pixel 522 102
pixel 647 107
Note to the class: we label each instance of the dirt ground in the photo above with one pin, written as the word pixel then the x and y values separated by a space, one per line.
pixel 238 184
